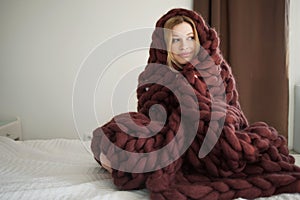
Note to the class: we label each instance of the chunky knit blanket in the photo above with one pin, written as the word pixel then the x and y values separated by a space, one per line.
pixel 190 138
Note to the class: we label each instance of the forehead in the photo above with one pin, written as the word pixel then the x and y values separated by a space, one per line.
pixel 183 28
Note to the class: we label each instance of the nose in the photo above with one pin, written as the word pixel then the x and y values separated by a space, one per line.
pixel 184 45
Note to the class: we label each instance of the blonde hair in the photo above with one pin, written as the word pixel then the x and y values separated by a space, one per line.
pixel 169 24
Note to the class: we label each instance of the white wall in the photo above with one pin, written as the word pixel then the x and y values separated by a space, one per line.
pixel 43 43
pixel 294 64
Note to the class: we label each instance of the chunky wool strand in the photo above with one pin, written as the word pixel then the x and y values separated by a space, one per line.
pixel 247 161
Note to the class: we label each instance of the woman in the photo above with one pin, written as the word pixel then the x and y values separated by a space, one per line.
pixel 182 43
pixel 226 158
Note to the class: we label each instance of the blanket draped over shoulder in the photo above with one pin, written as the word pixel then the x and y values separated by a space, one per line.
pixel 239 160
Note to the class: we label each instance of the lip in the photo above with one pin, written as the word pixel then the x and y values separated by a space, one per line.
pixel 185 54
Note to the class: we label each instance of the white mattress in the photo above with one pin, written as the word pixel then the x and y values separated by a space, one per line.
pixel 61 169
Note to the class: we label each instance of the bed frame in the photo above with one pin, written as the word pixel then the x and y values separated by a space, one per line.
pixel 11 128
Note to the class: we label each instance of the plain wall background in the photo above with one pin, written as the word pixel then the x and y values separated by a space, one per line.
pixel 42 45
pixel 294 66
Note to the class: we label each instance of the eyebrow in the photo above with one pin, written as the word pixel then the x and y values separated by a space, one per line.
pixel 191 33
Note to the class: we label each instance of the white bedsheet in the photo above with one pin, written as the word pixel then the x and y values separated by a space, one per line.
pixel 61 169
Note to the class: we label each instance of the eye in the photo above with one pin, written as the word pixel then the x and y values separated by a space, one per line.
pixel 174 40
pixel 191 38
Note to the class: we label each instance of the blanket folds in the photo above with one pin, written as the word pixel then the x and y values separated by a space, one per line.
pixel 190 138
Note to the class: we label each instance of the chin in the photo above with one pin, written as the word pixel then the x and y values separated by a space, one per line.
pixel 185 61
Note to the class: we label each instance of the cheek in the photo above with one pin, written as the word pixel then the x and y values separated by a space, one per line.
pixel 179 59
pixel 193 45
pixel 174 48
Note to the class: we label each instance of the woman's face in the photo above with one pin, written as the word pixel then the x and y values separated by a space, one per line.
pixel 183 45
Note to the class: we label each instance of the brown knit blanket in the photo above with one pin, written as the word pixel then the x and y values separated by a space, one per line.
pixel 190 138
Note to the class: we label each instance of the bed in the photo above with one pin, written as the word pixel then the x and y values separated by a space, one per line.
pixel 62 169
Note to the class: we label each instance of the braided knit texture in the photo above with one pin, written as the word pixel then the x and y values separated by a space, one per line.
pixel 247 161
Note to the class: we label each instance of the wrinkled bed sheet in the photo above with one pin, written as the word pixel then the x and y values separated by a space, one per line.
pixel 63 169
